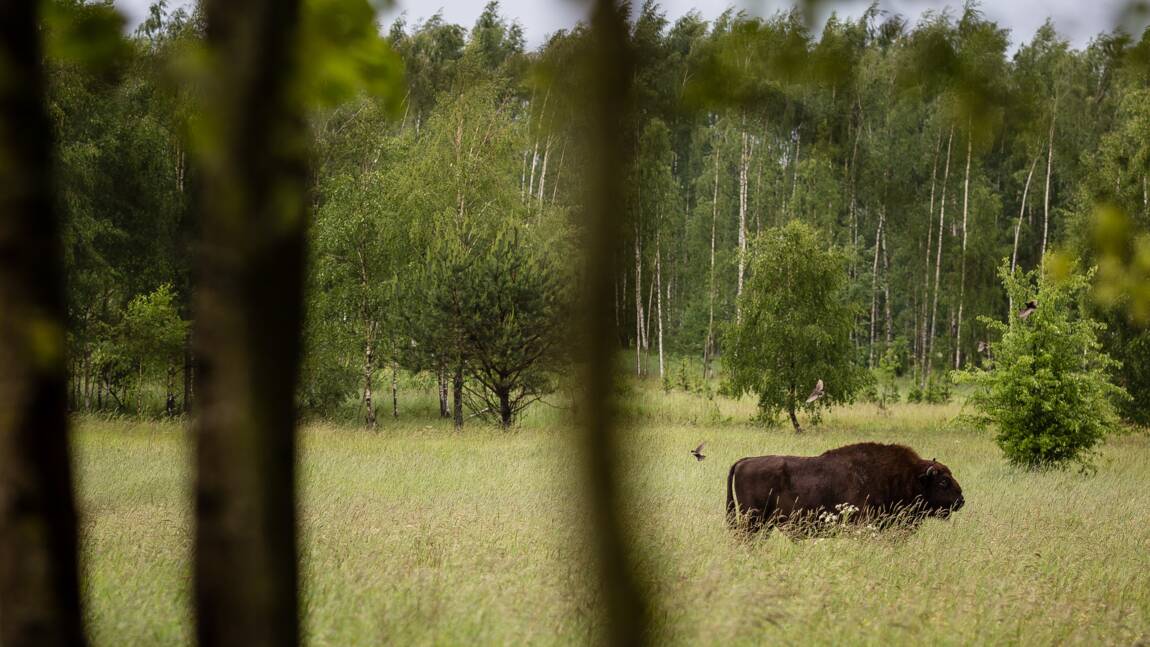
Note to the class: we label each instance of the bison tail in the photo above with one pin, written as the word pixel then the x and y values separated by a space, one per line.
pixel 732 502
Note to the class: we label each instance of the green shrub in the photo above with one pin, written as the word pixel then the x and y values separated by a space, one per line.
pixel 1048 393
pixel 938 391
pixel 886 378
pixel 914 394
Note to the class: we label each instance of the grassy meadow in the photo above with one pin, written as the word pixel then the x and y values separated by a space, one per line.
pixel 419 535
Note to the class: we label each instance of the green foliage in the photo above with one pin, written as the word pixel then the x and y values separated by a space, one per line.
pixel 795 327
pixel 886 378
pixel 1048 394
pixel 151 337
pixel 937 390
pixel 502 307
pixel 915 394
pixel 343 54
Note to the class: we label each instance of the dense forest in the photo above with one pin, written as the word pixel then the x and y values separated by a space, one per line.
pixel 928 154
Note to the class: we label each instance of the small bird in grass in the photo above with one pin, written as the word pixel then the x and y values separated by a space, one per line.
pixel 817 393
pixel 1031 306
pixel 698 452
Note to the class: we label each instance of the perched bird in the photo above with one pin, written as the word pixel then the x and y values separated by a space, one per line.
pixel 698 452
pixel 1031 306
pixel 983 347
pixel 817 393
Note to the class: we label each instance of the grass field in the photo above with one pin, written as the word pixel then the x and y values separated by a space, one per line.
pixel 419 535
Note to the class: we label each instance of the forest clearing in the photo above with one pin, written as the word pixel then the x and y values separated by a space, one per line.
pixel 420 535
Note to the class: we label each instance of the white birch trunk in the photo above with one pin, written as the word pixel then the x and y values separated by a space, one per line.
pixel 938 260
pixel 543 171
pixel 638 305
pixel 707 347
pixel 1017 228
pixel 659 298
pixel 962 262
pixel 1046 199
pixel 874 286
pixel 743 160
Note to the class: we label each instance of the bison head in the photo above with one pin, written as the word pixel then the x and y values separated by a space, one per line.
pixel 941 493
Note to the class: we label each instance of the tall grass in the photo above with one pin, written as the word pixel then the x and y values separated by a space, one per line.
pixel 419 535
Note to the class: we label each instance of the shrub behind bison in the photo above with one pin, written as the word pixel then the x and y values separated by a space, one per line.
pixel 883 482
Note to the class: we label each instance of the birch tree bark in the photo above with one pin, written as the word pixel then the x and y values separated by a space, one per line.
pixel 659 298
pixel 874 286
pixel 1046 198
pixel 1017 229
pixel 929 239
pixel 638 305
pixel 962 262
pixel 543 171
pixel 742 252
pixel 708 347
pixel 938 261
pixel 39 582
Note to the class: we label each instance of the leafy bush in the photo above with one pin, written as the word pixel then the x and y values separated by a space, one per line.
pixel 938 391
pixel 915 393
pixel 886 378
pixel 1048 393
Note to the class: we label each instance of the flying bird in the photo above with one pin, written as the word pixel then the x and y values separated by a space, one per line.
pixel 698 452
pixel 817 393
pixel 1031 306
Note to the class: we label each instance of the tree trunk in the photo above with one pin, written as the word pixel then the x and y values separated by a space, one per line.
pixel 531 176
pixel 743 160
pixel 558 171
pixel 1046 198
pixel 938 261
pixel 189 375
pixel 457 396
pixel 39 584
pixel 638 304
pixel 708 346
pixel 659 299
pixel 543 172
pixel 793 417
pixel 874 286
pixel 1017 228
pixel 624 607
pixel 886 286
pixel 795 181
pixel 962 262
pixel 368 377
pixel 395 389
pixel 505 414
pixel 249 317
pixel 929 239
pixel 140 389
pixel 441 374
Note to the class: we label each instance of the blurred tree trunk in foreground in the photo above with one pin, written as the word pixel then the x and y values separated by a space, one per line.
pixel 611 67
pixel 249 316
pixel 39 591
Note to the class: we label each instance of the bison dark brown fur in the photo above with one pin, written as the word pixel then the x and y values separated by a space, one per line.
pixel 880 480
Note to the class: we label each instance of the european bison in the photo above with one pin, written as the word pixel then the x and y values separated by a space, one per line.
pixel 880 481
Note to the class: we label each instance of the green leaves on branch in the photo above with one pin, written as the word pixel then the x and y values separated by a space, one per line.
pixel 343 55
